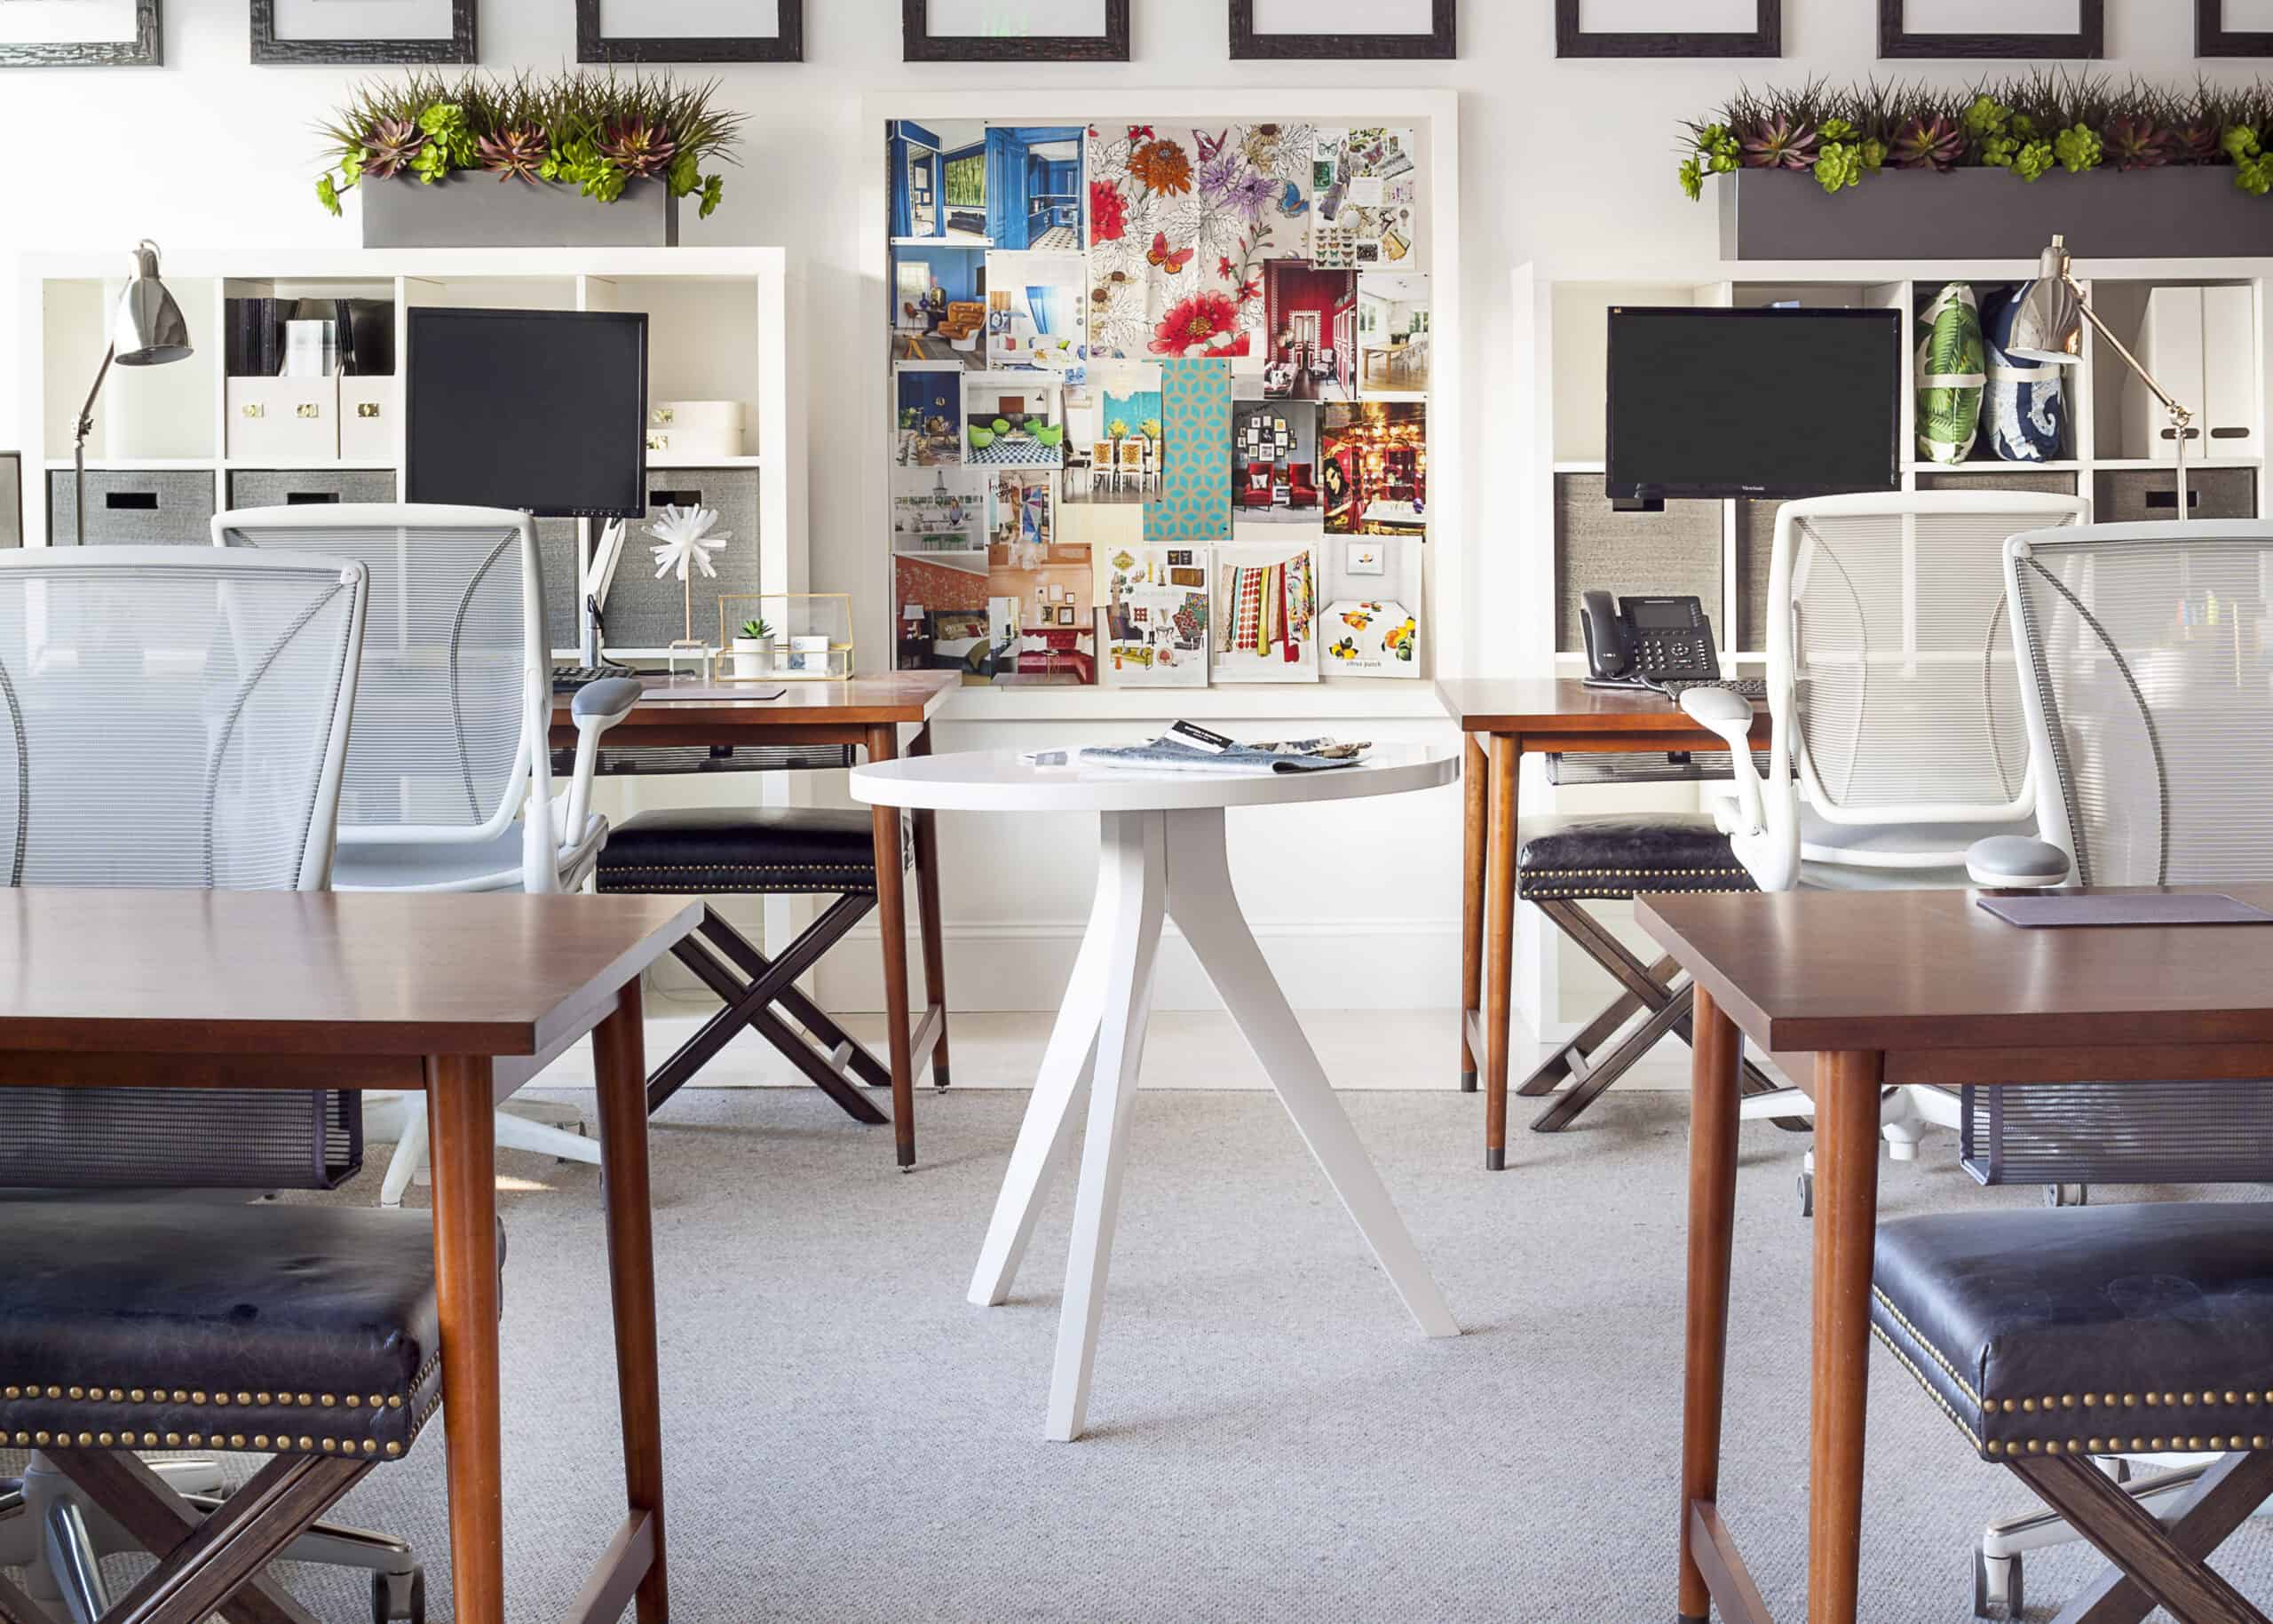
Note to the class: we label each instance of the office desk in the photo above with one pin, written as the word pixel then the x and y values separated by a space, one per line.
pixel 389 990
pixel 866 713
pixel 1502 719
pixel 1860 990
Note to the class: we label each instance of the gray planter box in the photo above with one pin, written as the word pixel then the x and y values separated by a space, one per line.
pixel 478 211
pixel 1992 214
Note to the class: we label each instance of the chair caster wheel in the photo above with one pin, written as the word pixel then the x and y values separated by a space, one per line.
pixel 1996 1594
pixel 2067 1195
pixel 1807 1195
pixel 399 1598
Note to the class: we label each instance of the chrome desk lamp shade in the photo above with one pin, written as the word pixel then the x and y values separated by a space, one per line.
pixel 148 330
pixel 2049 330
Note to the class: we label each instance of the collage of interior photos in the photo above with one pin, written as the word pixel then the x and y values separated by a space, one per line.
pixel 1160 399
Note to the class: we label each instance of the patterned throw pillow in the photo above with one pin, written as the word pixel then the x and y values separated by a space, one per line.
pixel 1951 374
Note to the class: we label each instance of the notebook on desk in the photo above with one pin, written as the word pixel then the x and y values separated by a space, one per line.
pixel 2125 908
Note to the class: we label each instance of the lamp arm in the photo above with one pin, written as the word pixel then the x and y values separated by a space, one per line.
pixel 87 412
pixel 2179 414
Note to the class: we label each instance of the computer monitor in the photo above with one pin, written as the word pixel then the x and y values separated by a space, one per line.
pixel 1768 402
pixel 541 410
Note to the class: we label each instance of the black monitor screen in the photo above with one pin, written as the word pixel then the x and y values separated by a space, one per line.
pixel 535 409
pixel 1715 403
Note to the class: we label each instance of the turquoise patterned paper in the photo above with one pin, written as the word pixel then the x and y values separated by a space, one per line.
pixel 1195 500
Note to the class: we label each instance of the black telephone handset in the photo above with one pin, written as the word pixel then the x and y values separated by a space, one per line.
pixel 1642 642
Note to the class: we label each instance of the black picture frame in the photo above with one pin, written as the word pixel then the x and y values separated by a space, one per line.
pixel 1765 40
pixel 146 49
pixel 1440 43
pixel 919 45
pixel 2213 38
pixel 268 51
pixel 788 45
pixel 2088 43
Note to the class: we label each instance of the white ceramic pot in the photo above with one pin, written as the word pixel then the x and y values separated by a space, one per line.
pixel 753 657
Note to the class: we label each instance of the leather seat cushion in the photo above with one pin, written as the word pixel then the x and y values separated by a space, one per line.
pixel 704 850
pixel 1611 856
pixel 156 1325
pixel 2092 1329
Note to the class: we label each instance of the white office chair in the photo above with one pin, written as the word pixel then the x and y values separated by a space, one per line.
pixel 453 713
pixel 170 718
pixel 1897 737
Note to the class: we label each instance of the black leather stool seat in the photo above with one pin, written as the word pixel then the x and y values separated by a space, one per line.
pixel 307 1330
pixel 704 850
pixel 1613 856
pixel 2087 1330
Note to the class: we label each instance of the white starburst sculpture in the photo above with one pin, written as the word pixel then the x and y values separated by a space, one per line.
pixel 687 542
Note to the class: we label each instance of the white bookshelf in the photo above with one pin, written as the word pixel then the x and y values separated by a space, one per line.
pixel 1560 360
pixel 1556 425
pixel 719 326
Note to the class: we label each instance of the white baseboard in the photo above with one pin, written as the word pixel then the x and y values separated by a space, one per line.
pixel 1322 963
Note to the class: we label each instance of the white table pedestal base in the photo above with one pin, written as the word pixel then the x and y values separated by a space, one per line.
pixel 1154 865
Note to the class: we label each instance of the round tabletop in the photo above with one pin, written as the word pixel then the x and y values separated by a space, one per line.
pixel 997 780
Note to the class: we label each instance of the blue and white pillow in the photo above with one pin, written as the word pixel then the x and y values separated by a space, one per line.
pixel 2025 410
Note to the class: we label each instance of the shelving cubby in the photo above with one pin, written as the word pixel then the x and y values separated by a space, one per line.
pixel 161 460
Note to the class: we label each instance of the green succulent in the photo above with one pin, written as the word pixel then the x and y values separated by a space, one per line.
pixel 2240 142
pixel 2078 148
pixel 2033 160
pixel 327 192
pixel 714 193
pixel 1839 164
pixel 2254 176
pixel 1693 180
pixel 1986 116
pixel 757 629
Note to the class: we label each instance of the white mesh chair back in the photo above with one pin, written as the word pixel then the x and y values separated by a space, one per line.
pixel 2146 647
pixel 174 717
pixel 2149 694
pixel 456 675
pixel 1890 664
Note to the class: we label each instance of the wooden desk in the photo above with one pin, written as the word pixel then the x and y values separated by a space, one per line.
pixel 389 990
pixel 1853 990
pixel 866 713
pixel 1503 717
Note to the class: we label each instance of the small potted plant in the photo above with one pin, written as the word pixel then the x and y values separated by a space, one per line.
pixel 754 650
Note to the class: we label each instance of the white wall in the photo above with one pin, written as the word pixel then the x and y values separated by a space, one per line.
pixel 1567 164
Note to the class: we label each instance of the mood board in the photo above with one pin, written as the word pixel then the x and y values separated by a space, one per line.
pixel 1159 400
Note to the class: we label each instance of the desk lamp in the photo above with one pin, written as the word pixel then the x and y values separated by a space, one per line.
pixel 2049 329
pixel 148 330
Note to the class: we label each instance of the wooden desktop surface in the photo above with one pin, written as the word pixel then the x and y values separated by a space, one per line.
pixel 907 698
pixel 1526 705
pixel 1919 972
pixel 302 973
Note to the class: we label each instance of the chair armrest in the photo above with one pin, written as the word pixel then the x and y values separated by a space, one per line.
pixel 605 703
pixel 1729 714
pixel 2016 862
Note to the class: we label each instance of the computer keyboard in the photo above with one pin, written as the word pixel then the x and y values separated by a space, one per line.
pixel 569 678
pixel 1743 688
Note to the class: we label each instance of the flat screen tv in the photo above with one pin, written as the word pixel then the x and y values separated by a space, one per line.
pixel 1768 402
pixel 540 410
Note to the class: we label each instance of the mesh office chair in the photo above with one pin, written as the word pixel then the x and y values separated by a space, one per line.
pixel 172 719
pixel 452 716
pixel 1897 736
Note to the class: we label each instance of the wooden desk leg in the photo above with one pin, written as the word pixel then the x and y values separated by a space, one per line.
pixel 619 1064
pixel 463 1152
pixel 891 926
pixel 1475 822
pixel 927 916
pixel 1846 1222
pixel 1500 943
pixel 1713 1093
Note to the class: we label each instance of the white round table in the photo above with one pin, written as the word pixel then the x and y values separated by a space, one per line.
pixel 1162 856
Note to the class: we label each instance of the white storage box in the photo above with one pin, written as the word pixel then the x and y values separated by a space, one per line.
pixel 367 420
pixel 284 420
pixel 695 428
